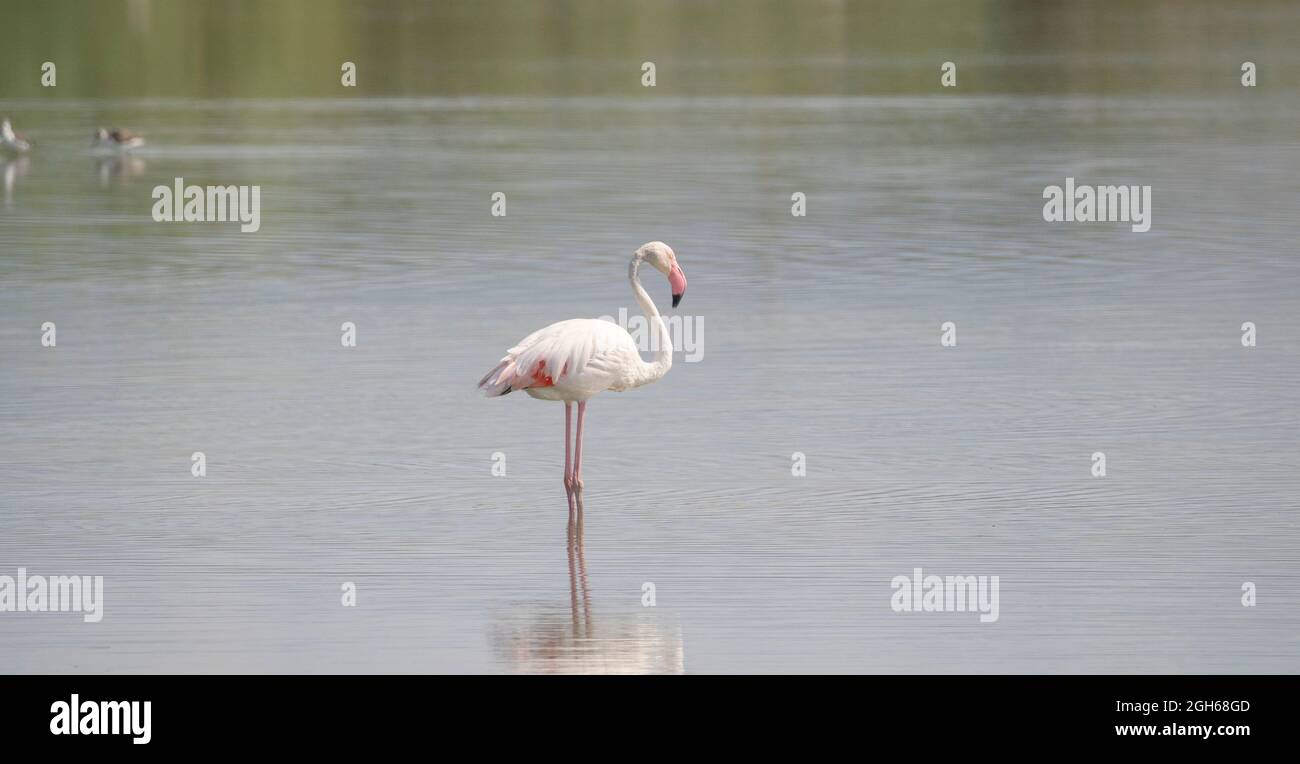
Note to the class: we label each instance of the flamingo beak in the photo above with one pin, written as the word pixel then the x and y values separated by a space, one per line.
pixel 677 282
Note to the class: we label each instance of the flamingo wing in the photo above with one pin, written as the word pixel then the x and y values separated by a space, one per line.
pixel 581 354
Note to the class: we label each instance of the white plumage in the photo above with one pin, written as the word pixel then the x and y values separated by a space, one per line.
pixel 574 360
pixel 570 361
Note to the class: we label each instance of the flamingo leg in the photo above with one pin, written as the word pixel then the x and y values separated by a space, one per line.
pixel 568 462
pixel 577 449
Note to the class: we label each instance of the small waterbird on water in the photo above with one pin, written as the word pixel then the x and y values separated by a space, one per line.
pixel 573 360
pixel 11 141
pixel 117 140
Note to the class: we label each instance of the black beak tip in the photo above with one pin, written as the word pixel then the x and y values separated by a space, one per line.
pixel 677 298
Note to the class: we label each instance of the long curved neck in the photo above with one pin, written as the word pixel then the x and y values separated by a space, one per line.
pixel 659 339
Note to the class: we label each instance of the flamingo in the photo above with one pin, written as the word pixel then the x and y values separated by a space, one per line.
pixel 573 360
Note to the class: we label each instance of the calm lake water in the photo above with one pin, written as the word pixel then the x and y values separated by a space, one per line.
pixel 818 335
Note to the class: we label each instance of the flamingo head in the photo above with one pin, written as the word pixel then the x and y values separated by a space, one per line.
pixel 662 257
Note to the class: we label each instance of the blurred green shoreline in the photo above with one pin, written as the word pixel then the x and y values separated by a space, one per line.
pixel 295 48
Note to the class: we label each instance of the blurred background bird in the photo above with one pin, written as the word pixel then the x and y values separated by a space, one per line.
pixel 11 141
pixel 117 140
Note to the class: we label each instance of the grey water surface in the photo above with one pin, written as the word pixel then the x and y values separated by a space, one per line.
pixel 818 335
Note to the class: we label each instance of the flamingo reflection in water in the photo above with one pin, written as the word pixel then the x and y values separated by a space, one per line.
pixel 542 640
